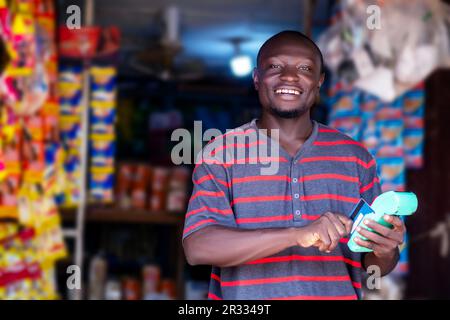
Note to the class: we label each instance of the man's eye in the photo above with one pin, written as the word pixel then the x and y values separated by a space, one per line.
pixel 274 66
pixel 305 68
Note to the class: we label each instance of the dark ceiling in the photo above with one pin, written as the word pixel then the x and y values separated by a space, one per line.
pixel 205 25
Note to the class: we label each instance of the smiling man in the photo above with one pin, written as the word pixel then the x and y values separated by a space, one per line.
pixel 283 236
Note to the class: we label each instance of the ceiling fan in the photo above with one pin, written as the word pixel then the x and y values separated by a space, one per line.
pixel 159 59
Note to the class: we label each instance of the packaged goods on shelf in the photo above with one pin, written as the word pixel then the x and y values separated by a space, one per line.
pixel 101 184
pixel 131 289
pixel 196 290
pixel 70 83
pixel 102 140
pixel 30 154
pixel 168 289
pixel 98 272
pixel 113 290
pixel 139 189
pixel 158 189
pixel 177 194
pixel 151 277
pixel 124 184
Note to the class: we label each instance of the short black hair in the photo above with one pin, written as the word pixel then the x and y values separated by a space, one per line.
pixel 292 33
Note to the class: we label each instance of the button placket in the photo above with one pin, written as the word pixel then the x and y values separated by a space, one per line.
pixel 295 192
pixel 301 190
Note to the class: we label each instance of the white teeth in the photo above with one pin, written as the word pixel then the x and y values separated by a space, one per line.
pixel 287 91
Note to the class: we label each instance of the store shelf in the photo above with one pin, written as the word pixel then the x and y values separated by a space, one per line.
pixel 112 214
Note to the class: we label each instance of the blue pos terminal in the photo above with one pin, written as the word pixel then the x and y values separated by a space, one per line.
pixel 388 203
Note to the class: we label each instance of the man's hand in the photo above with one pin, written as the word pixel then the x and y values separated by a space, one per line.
pixel 385 243
pixel 325 232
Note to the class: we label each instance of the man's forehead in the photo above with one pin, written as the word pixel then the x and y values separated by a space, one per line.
pixel 298 48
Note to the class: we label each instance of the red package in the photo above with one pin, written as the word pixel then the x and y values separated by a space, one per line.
pixel 131 289
pixel 140 186
pixel 159 188
pixel 78 43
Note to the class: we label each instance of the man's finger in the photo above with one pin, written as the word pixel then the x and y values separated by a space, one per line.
pixel 340 227
pixel 325 241
pixel 364 243
pixel 384 231
pixel 375 238
pixel 395 221
pixel 334 237
pixel 346 221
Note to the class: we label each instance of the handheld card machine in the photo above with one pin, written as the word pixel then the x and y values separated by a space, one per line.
pixel 391 203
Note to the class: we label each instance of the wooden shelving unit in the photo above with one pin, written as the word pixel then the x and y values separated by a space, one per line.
pixel 118 215
pixel 111 214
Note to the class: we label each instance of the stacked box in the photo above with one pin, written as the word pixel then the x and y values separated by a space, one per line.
pixel 70 87
pixel 102 144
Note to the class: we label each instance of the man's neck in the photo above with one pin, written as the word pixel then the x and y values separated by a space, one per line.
pixel 295 129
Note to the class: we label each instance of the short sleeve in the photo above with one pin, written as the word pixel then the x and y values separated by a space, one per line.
pixel 369 182
pixel 210 200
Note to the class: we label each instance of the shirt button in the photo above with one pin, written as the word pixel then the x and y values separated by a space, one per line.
pixel 297 212
pixel 296 196
pixel 294 180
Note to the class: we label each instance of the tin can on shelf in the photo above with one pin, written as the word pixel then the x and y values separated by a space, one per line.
pixel 168 288
pixel 151 276
pixel 131 289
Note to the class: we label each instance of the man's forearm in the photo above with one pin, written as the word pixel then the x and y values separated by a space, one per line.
pixel 386 264
pixel 226 247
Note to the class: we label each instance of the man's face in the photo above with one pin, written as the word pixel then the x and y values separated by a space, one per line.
pixel 288 77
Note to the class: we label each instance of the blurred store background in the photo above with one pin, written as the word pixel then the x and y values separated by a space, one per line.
pixel 116 78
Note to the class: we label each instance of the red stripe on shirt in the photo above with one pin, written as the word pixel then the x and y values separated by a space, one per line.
pixel 243 180
pixel 366 165
pixel 264 219
pixel 310 216
pixel 353 263
pixel 249 160
pixel 329 196
pixel 237 145
pixel 211 177
pixel 328 130
pixel 254 160
pixel 260 178
pixel 251 282
pixel 275 218
pixel 205 208
pixel 352 297
pixel 357 285
pixel 369 186
pixel 198 224
pixel 208 194
pixel 261 198
pixel 213 296
pixel 215 277
pixel 329 176
pixel 337 143
pixel 231 133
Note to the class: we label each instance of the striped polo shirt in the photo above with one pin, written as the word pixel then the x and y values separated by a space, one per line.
pixel 330 172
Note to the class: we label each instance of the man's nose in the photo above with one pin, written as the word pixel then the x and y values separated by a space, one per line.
pixel 289 74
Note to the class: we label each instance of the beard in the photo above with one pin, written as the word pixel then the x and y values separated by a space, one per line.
pixel 288 114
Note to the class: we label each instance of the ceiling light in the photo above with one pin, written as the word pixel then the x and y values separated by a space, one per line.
pixel 241 65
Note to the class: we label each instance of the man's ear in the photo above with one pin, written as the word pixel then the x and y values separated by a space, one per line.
pixel 322 79
pixel 256 79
